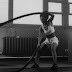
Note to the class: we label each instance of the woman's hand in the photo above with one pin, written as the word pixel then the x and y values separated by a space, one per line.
pixel 38 45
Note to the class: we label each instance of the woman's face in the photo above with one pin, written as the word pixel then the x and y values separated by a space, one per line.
pixel 43 19
pixel 45 26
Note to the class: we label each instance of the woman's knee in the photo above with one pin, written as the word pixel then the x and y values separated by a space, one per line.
pixel 39 52
pixel 42 45
pixel 53 47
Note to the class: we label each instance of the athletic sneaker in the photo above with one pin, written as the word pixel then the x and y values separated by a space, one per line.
pixel 54 67
pixel 35 66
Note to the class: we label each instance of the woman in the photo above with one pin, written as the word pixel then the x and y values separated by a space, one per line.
pixel 47 37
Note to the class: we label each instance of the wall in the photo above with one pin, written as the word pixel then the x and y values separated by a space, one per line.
pixel 17 30
pixel 6 31
pixel 63 33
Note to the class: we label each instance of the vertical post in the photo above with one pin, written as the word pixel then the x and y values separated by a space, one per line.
pixel 65 12
pixel 70 51
pixel 45 5
pixel 10 12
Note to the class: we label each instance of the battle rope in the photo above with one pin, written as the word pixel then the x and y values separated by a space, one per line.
pixel 1 24
pixel 28 60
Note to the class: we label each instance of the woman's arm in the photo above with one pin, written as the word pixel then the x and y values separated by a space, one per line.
pixel 39 36
pixel 51 18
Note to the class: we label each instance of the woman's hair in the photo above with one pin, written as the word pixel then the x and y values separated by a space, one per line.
pixel 44 14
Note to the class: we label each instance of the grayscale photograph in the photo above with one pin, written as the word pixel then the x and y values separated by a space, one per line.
pixel 35 35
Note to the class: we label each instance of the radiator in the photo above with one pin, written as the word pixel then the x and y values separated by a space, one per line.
pixel 25 46
pixel 22 46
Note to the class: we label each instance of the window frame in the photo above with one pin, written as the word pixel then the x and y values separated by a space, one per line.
pixel 59 13
pixel 70 14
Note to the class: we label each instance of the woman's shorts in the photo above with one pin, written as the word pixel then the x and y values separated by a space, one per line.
pixel 51 40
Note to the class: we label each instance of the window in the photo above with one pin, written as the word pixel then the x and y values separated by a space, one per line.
pixel 3 10
pixel 22 7
pixel 70 8
pixel 70 13
pixel 70 20
pixel 56 8
pixel 70 1
pixel 57 19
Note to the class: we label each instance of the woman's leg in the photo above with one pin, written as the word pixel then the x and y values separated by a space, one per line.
pixel 54 54
pixel 38 54
pixel 37 57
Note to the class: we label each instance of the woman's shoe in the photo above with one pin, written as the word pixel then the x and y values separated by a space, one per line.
pixel 54 67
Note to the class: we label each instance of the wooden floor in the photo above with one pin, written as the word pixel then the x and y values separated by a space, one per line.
pixel 11 64
pixel 43 68
pixel 47 70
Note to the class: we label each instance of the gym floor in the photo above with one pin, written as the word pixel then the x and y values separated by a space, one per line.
pixel 11 64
